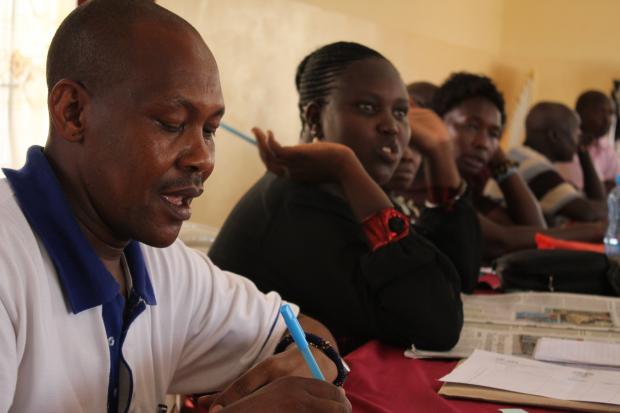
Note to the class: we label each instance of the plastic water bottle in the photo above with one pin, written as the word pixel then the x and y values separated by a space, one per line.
pixel 612 235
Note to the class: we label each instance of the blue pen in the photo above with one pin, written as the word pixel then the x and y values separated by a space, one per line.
pixel 300 339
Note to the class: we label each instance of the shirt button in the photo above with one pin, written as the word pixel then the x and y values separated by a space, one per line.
pixel 111 341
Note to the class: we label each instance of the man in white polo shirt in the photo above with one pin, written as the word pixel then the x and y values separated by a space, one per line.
pixel 101 309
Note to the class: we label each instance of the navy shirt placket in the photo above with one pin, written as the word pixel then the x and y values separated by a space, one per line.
pixel 117 321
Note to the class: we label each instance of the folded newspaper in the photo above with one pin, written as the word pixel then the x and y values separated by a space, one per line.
pixel 513 323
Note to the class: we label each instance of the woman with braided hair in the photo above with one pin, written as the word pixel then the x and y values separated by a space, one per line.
pixel 319 229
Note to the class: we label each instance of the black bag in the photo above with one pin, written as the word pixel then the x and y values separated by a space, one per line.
pixel 560 271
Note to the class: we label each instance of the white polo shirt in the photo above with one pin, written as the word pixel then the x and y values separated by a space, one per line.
pixel 191 327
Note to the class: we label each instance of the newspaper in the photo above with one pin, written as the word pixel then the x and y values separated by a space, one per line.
pixel 513 323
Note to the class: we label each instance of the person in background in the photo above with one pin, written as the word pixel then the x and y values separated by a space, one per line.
pixel 455 231
pixel 552 135
pixel 473 110
pixel 412 195
pixel 615 131
pixel 318 227
pixel 597 114
pixel 421 93
pixel 101 308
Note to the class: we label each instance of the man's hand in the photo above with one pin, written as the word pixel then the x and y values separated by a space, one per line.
pixel 288 363
pixel 497 158
pixel 315 162
pixel 290 394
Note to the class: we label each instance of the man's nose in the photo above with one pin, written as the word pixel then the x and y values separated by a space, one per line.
pixel 483 140
pixel 197 154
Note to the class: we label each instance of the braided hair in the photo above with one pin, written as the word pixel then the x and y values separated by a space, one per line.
pixel 317 72
pixel 463 86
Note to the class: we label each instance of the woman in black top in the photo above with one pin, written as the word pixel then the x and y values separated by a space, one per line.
pixel 319 229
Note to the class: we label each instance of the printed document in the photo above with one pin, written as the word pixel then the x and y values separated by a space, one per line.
pixel 518 374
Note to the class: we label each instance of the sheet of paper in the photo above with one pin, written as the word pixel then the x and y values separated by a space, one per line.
pixel 578 352
pixel 522 375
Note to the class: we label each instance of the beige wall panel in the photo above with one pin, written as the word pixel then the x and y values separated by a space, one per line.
pixel 258 45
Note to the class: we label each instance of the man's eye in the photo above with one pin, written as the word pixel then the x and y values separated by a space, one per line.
pixel 208 133
pixel 171 127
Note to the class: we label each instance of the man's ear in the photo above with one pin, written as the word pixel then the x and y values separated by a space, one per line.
pixel 552 137
pixel 66 104
pixel 312 115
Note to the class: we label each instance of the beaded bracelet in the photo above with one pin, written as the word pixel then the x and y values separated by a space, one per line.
pixel 327 349
pixel 445 197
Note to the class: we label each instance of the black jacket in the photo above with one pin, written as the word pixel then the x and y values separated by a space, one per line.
pixel 306 244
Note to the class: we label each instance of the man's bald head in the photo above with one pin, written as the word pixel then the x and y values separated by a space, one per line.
pixel 550 115
pixel 590 98
pixel 93 44
pixel 596 110
pixel 552 128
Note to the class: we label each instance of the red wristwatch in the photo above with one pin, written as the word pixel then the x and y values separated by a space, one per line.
pixel 387 225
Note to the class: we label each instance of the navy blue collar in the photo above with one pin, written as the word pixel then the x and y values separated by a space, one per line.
pixel 85 280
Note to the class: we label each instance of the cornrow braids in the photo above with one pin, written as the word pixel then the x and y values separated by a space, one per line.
pixel 317 72
pixel 463 86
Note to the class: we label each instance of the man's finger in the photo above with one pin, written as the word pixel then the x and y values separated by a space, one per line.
pixel 205 402
pixel 323 396
pixel 309 395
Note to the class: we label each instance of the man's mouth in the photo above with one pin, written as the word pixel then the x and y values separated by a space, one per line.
pixel 472 163
pixel 178 201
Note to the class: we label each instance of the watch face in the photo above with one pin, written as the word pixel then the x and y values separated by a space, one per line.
pixel 396 224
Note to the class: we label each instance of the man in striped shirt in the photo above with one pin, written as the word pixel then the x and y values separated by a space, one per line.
pixel 553 135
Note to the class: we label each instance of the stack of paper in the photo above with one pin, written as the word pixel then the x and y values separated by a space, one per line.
pixel 520 375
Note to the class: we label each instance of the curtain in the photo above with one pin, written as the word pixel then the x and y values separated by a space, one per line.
pixel 26 29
